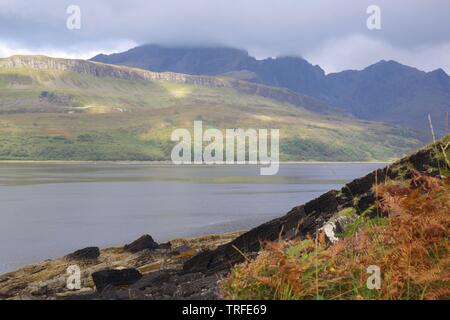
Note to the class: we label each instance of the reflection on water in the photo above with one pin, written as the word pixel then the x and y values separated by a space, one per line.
pixel 48 210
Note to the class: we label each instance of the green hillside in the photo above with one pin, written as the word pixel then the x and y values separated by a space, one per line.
pixel 55 109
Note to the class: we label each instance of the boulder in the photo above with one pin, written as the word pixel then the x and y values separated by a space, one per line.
pixel 115 278
pixel 89 253
pixel 165 246
pixel 302 220
pixel 143 243
pixel 155 279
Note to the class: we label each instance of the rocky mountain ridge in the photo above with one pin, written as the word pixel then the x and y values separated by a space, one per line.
pixel 134 74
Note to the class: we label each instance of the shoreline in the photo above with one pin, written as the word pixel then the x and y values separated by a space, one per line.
pixel 47 278
pixel 167 162
pixel 190 238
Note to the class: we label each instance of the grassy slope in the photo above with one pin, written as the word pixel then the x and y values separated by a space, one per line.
pixel 111 119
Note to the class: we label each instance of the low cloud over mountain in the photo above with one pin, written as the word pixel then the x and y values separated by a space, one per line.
pixel 330 33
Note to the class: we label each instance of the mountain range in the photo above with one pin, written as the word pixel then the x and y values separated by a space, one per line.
pixel 64 109
pixel 386 91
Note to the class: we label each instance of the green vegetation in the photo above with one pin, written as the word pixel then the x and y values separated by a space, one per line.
pixel 65 115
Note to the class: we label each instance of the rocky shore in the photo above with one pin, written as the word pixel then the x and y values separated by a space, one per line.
pixel 142 264
pixel 192 268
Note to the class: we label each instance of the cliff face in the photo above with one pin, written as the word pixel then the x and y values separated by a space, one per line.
pixel 133 74
pixel 86 67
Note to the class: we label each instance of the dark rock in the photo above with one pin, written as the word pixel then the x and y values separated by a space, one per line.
pixel 165 246
pixel 90 253
pixel 41 291
pixel 194 287
pixel 189 277
pixel 169 289
pixel 153 279
pixel 302 220
pixel 161 285
pixel 365 202
pixel 121 294
pixel 143 243
pixel 115 278
pixel 202 261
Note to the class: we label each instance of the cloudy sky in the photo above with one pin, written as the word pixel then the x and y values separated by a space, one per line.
pixel 330 33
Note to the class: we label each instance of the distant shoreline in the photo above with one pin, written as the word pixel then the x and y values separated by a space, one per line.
pixel 125 162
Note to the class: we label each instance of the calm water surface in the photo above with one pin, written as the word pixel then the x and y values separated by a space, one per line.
pixel 49 210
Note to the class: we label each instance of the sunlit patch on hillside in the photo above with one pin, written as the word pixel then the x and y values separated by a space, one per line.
pixel 10 127
pixel 178 90
pixel 99 109
pixel 264 118
pixel 56 132
pixel 271 118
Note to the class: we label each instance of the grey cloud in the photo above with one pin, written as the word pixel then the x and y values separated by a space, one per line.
pixel 265 28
